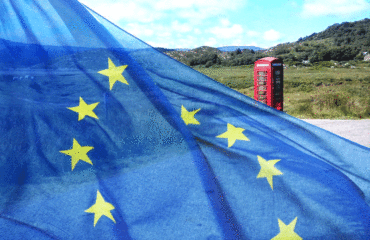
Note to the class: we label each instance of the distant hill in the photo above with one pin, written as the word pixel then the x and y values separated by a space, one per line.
pixel 233 48
pixel 182 49
pixel 222 49
pixel 165 49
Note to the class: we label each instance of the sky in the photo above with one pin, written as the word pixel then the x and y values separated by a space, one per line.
pixel 217 23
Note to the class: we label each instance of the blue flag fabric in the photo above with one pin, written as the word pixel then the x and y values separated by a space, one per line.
pixel 104 137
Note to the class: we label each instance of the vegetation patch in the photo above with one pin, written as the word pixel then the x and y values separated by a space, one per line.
pixel 310 93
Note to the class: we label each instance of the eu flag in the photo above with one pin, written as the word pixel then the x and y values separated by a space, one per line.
pixel 104 137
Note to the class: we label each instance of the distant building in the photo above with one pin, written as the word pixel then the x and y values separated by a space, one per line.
pixel 305 61
pixel 367 57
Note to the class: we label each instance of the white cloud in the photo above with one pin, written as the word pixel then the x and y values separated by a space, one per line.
pixel 146 30
pixel 156 44
pixel 116 11
pixel 271 35
pixel 238 42
pixel 181 27
pixel 253 34
pixel 313 8
pixel 169 4
pixel 200 4
pixel 183 41
pixel 163 34
pixel 227 32
pixel 251 44
pixel 197 31
pixel 211 42
pixel 150 10
pixel 174 23
pixel 293 4
pixel 225 22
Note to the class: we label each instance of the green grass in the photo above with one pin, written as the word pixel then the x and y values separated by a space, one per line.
pixel 237 77
pixel 313 92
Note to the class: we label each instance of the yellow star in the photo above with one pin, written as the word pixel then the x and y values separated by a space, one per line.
pixel 232 134
pixel 78 153
pixel 101 208
pixel 84 109
pixel 268 169
pixel 114 73
pixel 287 232
pixel 188 117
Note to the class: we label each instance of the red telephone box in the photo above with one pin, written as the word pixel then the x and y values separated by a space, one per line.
pixel 268 82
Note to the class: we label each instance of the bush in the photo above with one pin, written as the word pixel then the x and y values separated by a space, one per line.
pixel 208 64
pixel 327 64
pixel 366 79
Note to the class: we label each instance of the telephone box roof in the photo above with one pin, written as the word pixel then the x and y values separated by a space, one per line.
pixel 268 59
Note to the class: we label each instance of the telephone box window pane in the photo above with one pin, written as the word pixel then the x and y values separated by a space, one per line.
pixel 261 73
pixel 262 83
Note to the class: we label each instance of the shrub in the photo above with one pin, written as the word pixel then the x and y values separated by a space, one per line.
pixel 208 64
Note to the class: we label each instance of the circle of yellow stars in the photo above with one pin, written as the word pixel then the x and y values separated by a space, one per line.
pixel 103 208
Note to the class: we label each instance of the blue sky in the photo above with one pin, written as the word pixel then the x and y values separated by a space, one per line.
pixel 216 23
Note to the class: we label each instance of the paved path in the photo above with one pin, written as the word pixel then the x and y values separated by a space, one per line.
pixel 355 130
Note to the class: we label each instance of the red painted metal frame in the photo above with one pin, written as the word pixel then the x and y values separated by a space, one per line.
pixel 268 82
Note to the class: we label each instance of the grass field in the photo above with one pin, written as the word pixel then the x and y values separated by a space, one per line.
pixel 312 92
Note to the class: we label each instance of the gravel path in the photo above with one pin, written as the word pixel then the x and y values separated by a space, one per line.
pixel 355 130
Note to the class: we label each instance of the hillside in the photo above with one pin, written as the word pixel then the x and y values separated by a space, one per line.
pixel 353 33
pixel 339 42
